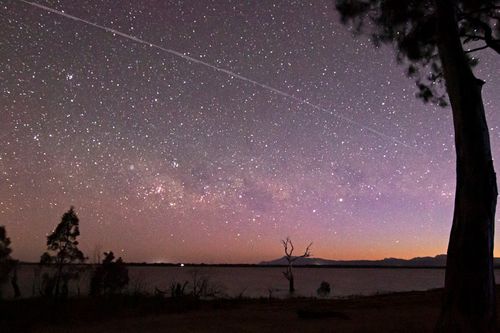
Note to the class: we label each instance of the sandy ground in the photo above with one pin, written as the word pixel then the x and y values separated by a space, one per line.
pixel 401 312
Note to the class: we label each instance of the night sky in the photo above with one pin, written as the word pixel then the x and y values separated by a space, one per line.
pixel 167 159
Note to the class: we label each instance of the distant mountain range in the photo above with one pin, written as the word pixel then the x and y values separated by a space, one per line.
pixel 437 261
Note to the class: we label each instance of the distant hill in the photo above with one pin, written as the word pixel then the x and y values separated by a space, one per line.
pixel 437 261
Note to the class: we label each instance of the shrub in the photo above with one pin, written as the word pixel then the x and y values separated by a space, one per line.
pixel 110 277
pixel 324 289
pixel 178 290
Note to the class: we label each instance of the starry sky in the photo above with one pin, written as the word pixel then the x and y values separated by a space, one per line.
pixel 168 160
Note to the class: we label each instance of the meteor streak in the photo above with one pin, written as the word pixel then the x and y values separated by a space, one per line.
pixel 221 70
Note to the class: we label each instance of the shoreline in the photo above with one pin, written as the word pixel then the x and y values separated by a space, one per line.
pixel 414 311
pixel 132 264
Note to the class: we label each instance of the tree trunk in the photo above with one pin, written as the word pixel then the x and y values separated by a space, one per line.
pixel 469 296
pixel 58 279
pixel 15 285
pixel 289 276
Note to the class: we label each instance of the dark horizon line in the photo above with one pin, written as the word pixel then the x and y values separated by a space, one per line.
pixel 267 263
pixel 412 263
pixel 31 263
pixel 187 265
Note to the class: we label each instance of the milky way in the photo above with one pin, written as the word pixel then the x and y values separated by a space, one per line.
pixel 168 160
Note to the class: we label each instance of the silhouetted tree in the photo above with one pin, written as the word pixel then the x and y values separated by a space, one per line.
pixel 5 252
pixel 62 251
pixel 110 277
pixel 429 36
pixel 6 262
pixel 290 258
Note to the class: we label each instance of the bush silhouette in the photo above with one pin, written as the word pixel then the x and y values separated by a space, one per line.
pixel 178 290
pixel 110 277
pixel 324 289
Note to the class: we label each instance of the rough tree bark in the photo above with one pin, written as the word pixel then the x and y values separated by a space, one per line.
pixel 469 298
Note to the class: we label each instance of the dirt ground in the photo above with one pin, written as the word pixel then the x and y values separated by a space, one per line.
pixel 400 312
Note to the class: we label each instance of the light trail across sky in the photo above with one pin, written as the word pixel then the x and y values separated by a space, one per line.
pixel 222 70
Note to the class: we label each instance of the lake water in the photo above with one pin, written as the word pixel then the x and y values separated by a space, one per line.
pixel 260 281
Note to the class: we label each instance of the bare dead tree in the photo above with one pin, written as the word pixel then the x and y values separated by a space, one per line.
pixel 290 258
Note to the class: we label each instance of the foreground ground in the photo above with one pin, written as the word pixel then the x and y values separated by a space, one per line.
pixel 401 312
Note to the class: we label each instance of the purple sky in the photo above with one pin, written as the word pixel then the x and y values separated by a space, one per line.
pixel 166 159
